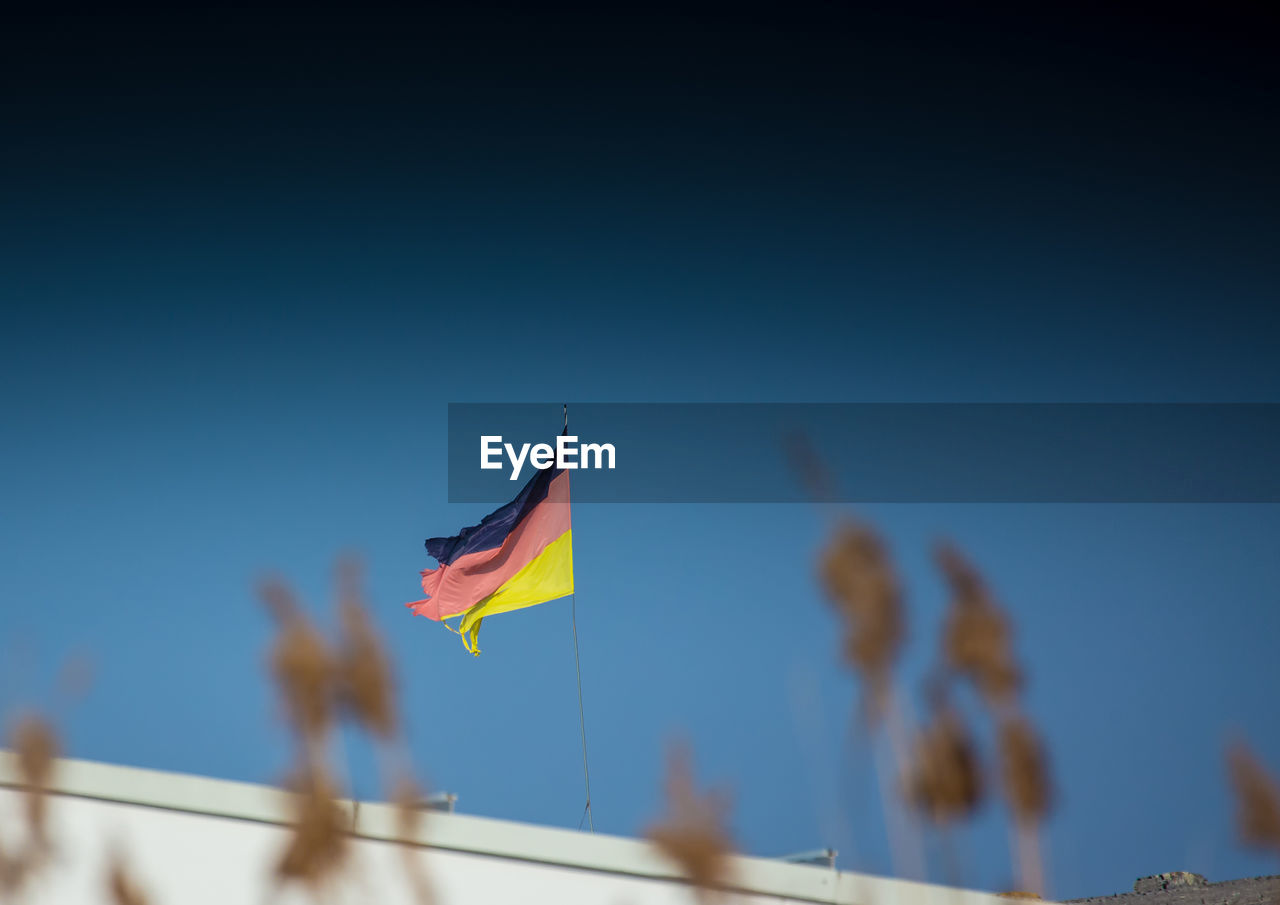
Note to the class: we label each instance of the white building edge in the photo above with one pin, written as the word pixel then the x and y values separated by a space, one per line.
pixel 190 839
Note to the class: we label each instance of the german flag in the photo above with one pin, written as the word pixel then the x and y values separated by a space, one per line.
pixel 518 556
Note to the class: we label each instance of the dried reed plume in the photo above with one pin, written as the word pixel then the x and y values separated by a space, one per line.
pixel 12 874
pixel 36 746
pixel 318 683
pixel 76 677
pixel 303 667
pixel 863 589
pixel 121 885
pixel 319 845
pixel 1024 770
pixel 366 692
pixel 363 671
pixel 305 671
pixel 693 834
pixel 976 639
pixel 945 778
pixel 1257 799
pixel 14 871
pixel 810 467
pixel 977 646
pixel 409 817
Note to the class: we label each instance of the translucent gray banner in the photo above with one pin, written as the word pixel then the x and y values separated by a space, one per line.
pixel 905 453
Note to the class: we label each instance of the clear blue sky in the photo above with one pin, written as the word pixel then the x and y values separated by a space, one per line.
pixel 237 308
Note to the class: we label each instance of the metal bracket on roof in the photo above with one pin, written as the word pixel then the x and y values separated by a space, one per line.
pixel 819 857
pixel 441 801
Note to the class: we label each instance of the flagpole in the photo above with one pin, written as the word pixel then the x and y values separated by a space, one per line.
pixel 582 723
pixel 577 665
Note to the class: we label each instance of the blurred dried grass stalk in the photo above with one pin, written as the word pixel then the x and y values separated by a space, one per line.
pixel 366 693
pixel 12 874
pixel 1257 799
pixel 75 678
pixel 319 846
pixel 318 683
pixel 363 670
pixel 976 638
pixel 409 800
pixel 35 743
pixel 807 463
pixel 693 833
pixel 863 589
pixel 305 671
pixel 1024 770
pixel 977 645
pixel 944 780
pixel 121 885
pixel 302 665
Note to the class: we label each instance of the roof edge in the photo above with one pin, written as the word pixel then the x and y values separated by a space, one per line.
pixel 484 836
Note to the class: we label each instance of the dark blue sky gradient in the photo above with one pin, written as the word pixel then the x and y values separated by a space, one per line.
pixel 249 258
